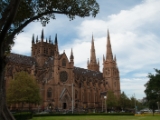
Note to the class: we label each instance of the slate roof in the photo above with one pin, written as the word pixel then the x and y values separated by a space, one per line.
pixel 21 59
pixel 88 73
pixel 29 61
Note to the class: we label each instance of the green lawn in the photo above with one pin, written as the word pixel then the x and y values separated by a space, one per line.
pixel 98 118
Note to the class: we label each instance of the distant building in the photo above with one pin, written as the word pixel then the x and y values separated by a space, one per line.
pixel 60 81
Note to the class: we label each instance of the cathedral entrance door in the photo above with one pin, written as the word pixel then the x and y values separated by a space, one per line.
pixel 64 105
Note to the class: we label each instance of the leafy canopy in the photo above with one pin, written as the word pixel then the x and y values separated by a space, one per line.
pixel 41 10
pixel 111 99
pixel 23 89
pixel 152 90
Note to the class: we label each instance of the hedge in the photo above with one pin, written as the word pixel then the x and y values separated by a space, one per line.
pixel 87 114
pixel 23 116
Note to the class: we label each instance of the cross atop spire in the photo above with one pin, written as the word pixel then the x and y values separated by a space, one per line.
pixel 109 55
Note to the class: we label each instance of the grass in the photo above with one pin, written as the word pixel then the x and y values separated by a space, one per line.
pixel 98 118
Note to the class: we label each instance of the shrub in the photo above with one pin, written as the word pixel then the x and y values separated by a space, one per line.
pixel 23 116
pixel 87 114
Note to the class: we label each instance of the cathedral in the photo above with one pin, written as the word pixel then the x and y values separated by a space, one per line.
pixel 62 84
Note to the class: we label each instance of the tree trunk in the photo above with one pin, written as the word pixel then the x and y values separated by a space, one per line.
pixel 4 112
pixel 11 13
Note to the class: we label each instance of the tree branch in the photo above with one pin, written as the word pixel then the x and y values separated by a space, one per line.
pixel 6 13
pixel 9 21
pixel 10 38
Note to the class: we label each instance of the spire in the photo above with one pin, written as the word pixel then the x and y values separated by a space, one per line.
pixel 115 58
pixel 46 40
pixel 93 54
pixel 88 62
pixel 98 62
pixel 93 65
pixel 109 55
pixel 42 36
pixel 37 39
pixel 71 56
pixel 103 59
pixel 33 39
pixel 49 39
pixel 56 42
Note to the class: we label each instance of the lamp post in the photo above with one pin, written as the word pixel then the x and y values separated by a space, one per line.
pixel 135 103
pixel 158 106
pixel 105 97
pixel 72 98
pixel 102 104
pixel 94 101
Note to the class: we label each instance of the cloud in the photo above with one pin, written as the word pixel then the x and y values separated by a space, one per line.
pixel 140 75
pixel 23 40
pixel 132 41
pixel 133 86
pixel 137 17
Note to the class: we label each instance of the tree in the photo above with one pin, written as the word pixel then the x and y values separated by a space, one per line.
pixel 124 101
pixel 17 14
pixel 152 90
pixel 111 100
pixel 23 89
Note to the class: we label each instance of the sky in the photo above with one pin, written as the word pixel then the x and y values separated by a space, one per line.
pixel 134 27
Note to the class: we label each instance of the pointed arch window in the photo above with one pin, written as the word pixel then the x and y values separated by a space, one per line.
pixel 64 62
pixel 115 84
pixel 89 96
pixel 82 97
pixel 46 51
pixel 76 94
pixel 49 93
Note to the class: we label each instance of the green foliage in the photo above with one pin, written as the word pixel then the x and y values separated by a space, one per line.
pixel 23 116
pixel 87 114
pixel 49 8
pixel 43 11
pixel 23 89
pixel 111 99
pixel 124 101
pixel 152 90
pixel 103 117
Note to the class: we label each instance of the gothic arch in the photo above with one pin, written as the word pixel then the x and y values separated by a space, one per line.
pixel 76 94
pixel 65 98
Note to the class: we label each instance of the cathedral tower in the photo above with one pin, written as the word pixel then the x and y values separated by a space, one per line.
pixel 41 49
pixel 93 64
pixel 110 70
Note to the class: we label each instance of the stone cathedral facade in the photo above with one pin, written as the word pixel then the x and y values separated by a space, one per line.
pixel 62 84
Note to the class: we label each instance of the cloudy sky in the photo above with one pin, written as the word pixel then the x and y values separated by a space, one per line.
pixel 134 27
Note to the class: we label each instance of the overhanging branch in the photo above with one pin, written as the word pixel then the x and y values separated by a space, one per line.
pixel 10 38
